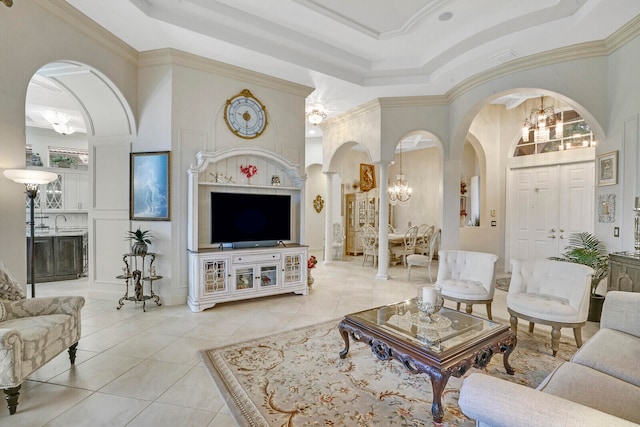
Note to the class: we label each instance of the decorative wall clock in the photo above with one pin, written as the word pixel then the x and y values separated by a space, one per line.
pixel 245 115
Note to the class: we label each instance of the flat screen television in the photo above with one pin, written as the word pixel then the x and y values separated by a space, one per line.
pixel 242 217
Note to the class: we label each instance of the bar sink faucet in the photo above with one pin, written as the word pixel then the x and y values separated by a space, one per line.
pixel 55 221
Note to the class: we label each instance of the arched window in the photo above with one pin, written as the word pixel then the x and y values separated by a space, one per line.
pixel 576 134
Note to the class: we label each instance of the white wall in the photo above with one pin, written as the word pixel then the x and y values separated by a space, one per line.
pixel 423 171
pixel 315 221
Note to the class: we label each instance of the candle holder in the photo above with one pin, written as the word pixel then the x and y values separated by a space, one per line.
pixel 429 308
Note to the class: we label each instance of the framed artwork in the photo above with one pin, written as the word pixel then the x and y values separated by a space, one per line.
pixel 607 168
pixel 606 207
pixel 367 177
pixel 149 186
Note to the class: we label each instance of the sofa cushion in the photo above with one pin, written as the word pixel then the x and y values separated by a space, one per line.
pixel 612 352
pixel 595 389
pixel 548 307
pixel 43 336
pixel 9 287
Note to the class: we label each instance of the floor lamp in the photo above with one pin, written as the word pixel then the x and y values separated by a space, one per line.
pixel 31 179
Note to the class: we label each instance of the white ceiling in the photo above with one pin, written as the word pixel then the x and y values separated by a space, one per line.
pixel 352 51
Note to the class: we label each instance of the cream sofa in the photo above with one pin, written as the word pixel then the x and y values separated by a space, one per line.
pixel 600 386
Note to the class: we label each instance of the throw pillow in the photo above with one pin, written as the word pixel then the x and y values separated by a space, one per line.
pixel 9 287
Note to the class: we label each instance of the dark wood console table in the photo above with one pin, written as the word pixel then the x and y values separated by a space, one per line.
pixel 449 347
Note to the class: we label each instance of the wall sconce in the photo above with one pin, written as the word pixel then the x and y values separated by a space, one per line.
pixel 318 203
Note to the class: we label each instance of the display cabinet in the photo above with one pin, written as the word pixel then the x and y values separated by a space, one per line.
pixel 361 209
pixel 135 273
pixel 236 274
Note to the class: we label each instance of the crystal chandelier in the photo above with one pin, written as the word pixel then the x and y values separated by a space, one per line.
pixel 59 121
pixel 400 192
pixel 316 116
pixel 540 120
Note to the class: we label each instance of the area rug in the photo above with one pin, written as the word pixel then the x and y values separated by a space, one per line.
pixel 296 378
pixel 503 283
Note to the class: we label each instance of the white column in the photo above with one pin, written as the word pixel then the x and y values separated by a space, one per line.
pixel 328 218
pixel 383 220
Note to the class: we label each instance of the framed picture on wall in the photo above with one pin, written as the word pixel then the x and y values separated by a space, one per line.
pixel 149 186
pixel 607 169
pixel 367 177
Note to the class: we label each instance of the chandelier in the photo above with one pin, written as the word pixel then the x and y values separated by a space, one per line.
pixel 315 116
pixel 59 121
pixel 400 192
pixel 540 120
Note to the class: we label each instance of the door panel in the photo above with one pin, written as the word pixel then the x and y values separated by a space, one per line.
pixel 547 203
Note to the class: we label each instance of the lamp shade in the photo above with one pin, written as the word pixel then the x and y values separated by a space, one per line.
pixel 30 176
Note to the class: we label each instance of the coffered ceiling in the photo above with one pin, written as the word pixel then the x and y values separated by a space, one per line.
pixel 352 51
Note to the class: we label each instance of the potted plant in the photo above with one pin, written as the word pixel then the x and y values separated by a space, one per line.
pixel 140 241
pixel 62 161
pixel 584 248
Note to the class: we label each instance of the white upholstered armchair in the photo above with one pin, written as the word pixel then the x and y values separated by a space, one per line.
pixel 32 332
pixel 554 293
pixel 467 277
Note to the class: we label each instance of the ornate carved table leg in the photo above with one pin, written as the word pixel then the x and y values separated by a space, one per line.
pixel 342 327
pixel 507 346
pixel 438 382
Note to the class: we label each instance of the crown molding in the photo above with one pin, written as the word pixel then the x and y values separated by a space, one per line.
pixel 568 53
pixel 414 101
pixel 169 56
pixel 624 35
pixel 89 28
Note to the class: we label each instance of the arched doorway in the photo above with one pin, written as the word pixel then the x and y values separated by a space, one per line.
pixel 104 129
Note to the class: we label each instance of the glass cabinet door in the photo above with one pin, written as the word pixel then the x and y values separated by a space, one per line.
pixel 268 276
pixel 215 276
pixel 243 278
pixel 292 269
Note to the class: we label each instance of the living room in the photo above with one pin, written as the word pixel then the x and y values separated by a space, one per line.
pixel 172 101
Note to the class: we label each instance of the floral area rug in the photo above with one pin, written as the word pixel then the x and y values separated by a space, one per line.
pixel 296 378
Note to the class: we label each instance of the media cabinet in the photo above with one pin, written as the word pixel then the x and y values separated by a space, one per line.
pixel 235 274
pixel 221 273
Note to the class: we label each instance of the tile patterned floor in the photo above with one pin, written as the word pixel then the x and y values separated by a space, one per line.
pixel 143 369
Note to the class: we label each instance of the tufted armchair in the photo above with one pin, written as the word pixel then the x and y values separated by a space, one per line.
pixel 32 332
pixel 554 293
pixel 467 277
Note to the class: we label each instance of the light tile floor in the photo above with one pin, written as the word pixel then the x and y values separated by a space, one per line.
pixel 144 369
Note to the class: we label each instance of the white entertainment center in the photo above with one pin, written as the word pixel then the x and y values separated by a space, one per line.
pixel 223 272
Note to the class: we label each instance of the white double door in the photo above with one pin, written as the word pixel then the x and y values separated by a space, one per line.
pixel 545 204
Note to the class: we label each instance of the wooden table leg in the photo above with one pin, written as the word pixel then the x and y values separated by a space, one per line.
pixel 345 337
pixel 438 382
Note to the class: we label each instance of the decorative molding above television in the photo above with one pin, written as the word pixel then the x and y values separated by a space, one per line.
pixel 220 171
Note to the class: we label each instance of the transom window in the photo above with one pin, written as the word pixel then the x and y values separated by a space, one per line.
pixel 576 134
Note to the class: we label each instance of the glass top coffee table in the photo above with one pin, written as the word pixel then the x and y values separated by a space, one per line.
pixel 442 345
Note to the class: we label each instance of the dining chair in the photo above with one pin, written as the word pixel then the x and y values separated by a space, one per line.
pixel 337 242
pixel 408 247
pixel 369 244
pixel 423 239
pixel 420 260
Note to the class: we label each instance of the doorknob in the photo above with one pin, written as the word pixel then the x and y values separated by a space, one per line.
pixel 553 236
pixel 561 230
pixel 553 230
pixel 561 236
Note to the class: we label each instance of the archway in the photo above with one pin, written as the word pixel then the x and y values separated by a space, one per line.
pixel 495 124
pixel 105 128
